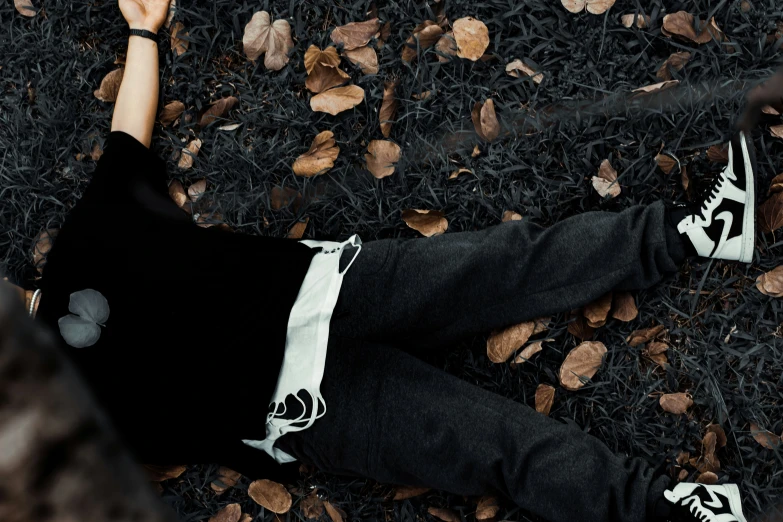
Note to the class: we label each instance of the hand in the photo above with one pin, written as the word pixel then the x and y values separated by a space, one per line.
pixel 768 93
pixel 145 14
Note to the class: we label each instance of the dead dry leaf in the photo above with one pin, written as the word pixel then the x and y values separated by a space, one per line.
pixel 312 506
pixel 545 398
pixel 529 351
pixel 427 222
pixel 322 69
pixel 645 335
pixel 179 45
pixel 581 362
pixel 177 193
pixel 666 163
pixel 766 438
pixel 298 230
pixel 110 86
pixel 425 35
pixel 776 131
pixel 593 6
pixel 682 24
pixel 675 62
pixel 446 47
pixel 383 35
pixel 444 514
pixel 708 477
pixel 519 69
pixel 624 307
pixel 656 87
pixel 197 190
pixel 189 153
pixel 770 213
pixel 605 183
pixel 364 57
pixel 25 8
pixel 334 101
pixel 580 329
pixel 472 38
pixel 455 174
pixel 227 479
pixel 487 508
pixel 96 152
pixel 656 351
pixel 381 157
pixel 230 513
pixel 388 107
pixel 718 154
pixel 771 283
pixel 271 39
pixel 677 403
pixel 597 311
pixel 485 120
pixel 280 197
pixel 356 34
pixel 776 185
pixel 642 20
pixel 772 111
pixel 171 112
pixel 510 215
pixel 161 473
pixel 271 495
pixel 335 513
pixel 406 492
pixel 320 158
pixel 218 110
pixel 502 344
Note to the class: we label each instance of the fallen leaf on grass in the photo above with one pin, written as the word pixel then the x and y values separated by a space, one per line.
pixel 447 47
pixel 708 462
pixel 642 20
pixel 298 230
pixel 381 157
pixel 485 120
pixel 25 8
pixel 322 69
pixel 171 112
pixel 776 185
pixel 597 311
pixel 230 127
pixel 519 69
pixel 312 506
pixel 230 513
pixel 472 38
pixel 682 24
pixel 388 107
pixel 172 12
pixel 96 152
pixel 161 473
pixel 383 35
pixel 580 329
pixel 766 438
pixel 197 189
pixel 271 495
pixel 446 515
pixel 772 111
pixel 770 213
pixel 455 174
pixel 720 435
pixel 406 492
pixel 624 307
pixel 605 183
pixel 666 163
pixel 656 87
pixel 335 513
pixel 581 362
pixel 227 479
pixel 218 110
pixel 675 62
pixel 677 403
pixel 246 518
pixel 545 398
pixel 426 34
pixel 510 215
pixel 776 131
pixel 364 57
pixel 708 477
pixel 771 283
pixel 656 352
pixel 502 344
pixel 280 197
pixel 334 101
pixel 189 153
pixel 42 244
pixel 718 154
pixel 427 222
pixel 179 45
pixel 320 158
pixel 645 335
pixel 110 86
pixel 355 34
pixel 272 39
pixel 593 6
pixel 529 351
pixel 177 193
pixel 487 508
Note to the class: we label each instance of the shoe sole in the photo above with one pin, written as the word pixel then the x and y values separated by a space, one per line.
pixel 749 219
pixel 734 500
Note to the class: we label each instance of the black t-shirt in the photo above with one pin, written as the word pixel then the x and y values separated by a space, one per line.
pixel 188 359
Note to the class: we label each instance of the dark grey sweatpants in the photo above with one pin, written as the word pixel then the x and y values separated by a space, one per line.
pixel 396 419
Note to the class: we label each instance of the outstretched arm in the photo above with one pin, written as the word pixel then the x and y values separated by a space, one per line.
pixel 137 101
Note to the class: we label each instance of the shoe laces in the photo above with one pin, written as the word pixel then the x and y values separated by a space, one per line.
pixel 696 509
pixel 710 194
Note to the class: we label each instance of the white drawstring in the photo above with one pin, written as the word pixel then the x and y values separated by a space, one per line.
pixel 33 301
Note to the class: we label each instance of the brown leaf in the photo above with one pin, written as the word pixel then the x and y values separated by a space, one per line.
pixel 770 213
pixel 720 436
pixel 656 351
pixel 427 222
pixel 709 461
pixel 675 62
pixel 320 158
pixel 545 398
pixel 776 185
pixel 271 495
pixel 322 69
pixel 642 20
pixel 656 87
pixel 161 473
pixel 381 157
pixel 189 153
pixel 171 112
pixel 230 513
pixel 519 69
pixel 25 8
pixel 172 12
pixel 246 518
pixel 593 6
pixel 605 183
pixel 177 193
pixel 283 196
pixel 510 215
pixel 227 479
pixel 388 107
pixel 485 120
pixel 455 174
pixel 580 329
pixel 683 475
pixel 541 325
pixel 406 492
pixel 447 47
pixel 677 403
pixel 582 361
pixel 179 45
pixel 776 131
pixel 682 24
pixel 335 513
pixel 529 351
pixel 597 311
pixel 312 506
pixel 383 35
pixel 421 96
pixel 426 34
pixel 298 230
pixel 262 36
pixel 707 477
pixel 110 86
pixel 766 438
pixel 355 34
pixel 666 163
pixel 334 101
pixel 771 283
pixel 42 244
pixel 364 57
pixel 643 336
pixel 487 508
pixel 197 189
pixel 624 307
pixel 502 344
pixel 472 38
pixel 718 153
pixel 96 152
pixel 218 110
pixel 772 111
pixel 446 515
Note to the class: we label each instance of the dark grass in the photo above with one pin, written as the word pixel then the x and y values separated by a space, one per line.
pixel 734 377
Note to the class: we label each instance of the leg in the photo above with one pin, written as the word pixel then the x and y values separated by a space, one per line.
pixel 395 419
pixel 443 288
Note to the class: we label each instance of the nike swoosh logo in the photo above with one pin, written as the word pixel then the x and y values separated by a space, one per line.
pixel 728 220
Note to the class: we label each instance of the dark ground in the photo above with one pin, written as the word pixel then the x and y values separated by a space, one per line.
pixel 735 378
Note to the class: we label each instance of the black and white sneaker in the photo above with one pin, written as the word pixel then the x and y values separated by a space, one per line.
pixel 724 225
pixel 700 503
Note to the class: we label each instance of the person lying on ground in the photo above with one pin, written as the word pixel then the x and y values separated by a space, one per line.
pixel 310 348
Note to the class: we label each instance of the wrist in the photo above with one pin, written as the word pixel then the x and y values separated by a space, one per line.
pixel 153 28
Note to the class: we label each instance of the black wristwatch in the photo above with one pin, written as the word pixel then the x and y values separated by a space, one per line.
pixel 144 34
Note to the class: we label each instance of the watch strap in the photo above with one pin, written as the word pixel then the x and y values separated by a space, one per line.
pixel 144 34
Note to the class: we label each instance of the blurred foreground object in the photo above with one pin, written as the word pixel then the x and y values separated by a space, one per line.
pixel 768 93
